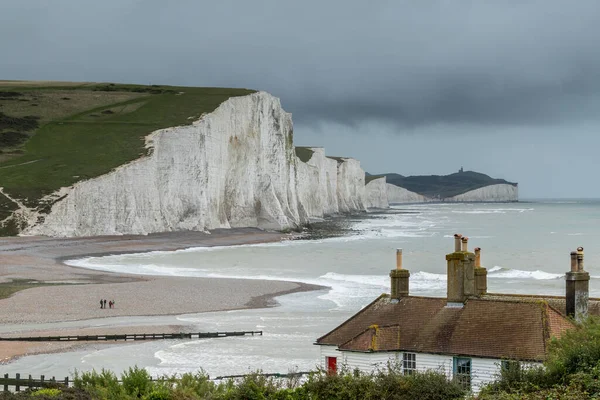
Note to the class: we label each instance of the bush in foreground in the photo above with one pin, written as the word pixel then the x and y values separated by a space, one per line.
pixel 571 371
pixel 136 383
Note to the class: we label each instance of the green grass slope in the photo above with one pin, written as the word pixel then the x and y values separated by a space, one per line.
pixel 304 153
pixel 53 135
pixel 443 186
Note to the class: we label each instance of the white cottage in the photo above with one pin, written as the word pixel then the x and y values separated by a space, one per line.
pixel 469 336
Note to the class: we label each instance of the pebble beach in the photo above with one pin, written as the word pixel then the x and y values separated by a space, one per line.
pixel 75 293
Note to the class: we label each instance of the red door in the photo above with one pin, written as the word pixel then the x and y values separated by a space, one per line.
pixel 331 365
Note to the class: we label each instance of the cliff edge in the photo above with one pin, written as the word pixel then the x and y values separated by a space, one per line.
pixel 234 167
pixel 463 186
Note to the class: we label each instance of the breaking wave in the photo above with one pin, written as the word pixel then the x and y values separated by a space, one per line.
pixel 507 273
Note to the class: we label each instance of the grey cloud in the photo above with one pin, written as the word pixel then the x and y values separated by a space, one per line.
pixel 393 74
pixel 414 63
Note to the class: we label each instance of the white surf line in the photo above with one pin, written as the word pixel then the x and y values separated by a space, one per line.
pixel 16 165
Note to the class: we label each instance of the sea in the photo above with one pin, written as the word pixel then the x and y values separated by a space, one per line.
pixel 525 247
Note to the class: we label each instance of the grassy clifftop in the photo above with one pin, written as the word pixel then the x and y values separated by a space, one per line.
pixel 442 186
pixel 53 134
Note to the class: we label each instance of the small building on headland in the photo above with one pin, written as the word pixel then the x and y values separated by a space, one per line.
pixel 470 335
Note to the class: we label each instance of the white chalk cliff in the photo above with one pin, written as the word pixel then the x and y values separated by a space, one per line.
pixel 377 193
pixel 317 184
pixel 234 167
pixel 493 193
pixel 351 185
pixel 397 194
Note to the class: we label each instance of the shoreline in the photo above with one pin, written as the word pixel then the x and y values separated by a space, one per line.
pixel 43 259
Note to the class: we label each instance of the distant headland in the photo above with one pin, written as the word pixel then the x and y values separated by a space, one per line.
pixel 459 186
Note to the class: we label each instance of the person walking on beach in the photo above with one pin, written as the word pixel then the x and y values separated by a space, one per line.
pixel 101 304
pixel 113 306
pixel 110 304
pixel 104 303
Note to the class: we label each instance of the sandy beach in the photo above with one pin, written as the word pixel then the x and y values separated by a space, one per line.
pixel 77 292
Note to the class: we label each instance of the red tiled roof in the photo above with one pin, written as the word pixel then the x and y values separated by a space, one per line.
pixel 494 327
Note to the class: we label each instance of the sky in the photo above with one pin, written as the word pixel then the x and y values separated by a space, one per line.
pixel 508 88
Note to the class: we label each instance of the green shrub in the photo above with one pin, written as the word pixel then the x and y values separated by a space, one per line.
pixel 21 124
pixel 578 350
pixel 190 386
pixel 12 139
pixel 159 393
pixel 390 384
pixel 46 392
pixel 572 368
pixel 104 385
pixel 137 382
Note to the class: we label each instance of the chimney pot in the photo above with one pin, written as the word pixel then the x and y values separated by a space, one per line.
pixel 580 259
pixel 477 257
pixel 457 237
pixel 465 240
pixel 398 258
pixel 573 261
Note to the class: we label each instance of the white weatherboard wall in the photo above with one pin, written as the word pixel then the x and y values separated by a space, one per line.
pixel 500 192
pixel 397 194
pixel 483 370
pixel 235 167
pixel 376 195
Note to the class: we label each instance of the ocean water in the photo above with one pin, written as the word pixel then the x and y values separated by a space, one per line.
pixel 525 247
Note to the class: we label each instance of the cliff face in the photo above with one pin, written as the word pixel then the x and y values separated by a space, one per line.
pixel 351 185
pixel 376 193
pixel 317 184
pixel 396 194
pixel 234 167
pixel 499 193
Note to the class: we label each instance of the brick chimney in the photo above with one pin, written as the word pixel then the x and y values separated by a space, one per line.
pixel 578 283
pixel 399 278
pixel 480 274
pixel 461 273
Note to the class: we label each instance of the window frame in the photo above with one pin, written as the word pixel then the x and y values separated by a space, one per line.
pixel 409 363
pixel 463 374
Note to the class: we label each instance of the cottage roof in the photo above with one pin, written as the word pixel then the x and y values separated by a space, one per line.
pixel 491 326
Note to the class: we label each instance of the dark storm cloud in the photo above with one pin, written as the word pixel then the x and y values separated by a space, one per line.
pixel 413 63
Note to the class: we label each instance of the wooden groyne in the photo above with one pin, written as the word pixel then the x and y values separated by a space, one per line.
pixel 130 337
pixel 31 383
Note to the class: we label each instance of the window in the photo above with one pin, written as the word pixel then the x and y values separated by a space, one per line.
pixel 331 363
pixel 462 371
pixel 409 363
pixel 510 367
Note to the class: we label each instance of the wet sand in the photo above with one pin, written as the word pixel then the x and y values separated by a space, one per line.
pixel 78 293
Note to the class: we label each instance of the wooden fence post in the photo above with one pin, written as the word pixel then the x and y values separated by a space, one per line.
pixel 18 383
pixel 30 382
pixel 66 381
pixel 41 381
pixel 5 384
